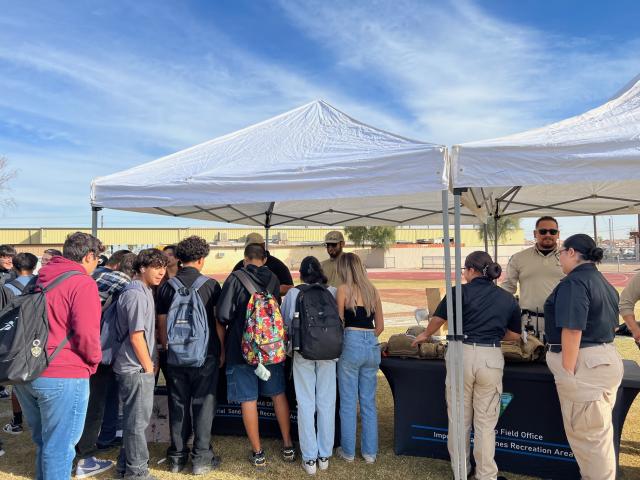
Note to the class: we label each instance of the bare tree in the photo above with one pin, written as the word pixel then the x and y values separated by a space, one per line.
pixel 6 175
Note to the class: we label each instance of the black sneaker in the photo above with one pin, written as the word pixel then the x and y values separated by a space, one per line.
pixel 288 454
pixel 204 469
pixel 258 459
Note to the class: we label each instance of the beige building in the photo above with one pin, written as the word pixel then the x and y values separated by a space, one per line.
pixel 290 245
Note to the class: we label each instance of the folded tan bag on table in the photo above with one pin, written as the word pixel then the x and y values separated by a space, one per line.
pixel 399 345
pixel 519 351
pixel 432 351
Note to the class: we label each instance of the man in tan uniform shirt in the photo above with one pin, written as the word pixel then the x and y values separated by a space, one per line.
pixel 334 241
pixel 628 299
pixel 537 269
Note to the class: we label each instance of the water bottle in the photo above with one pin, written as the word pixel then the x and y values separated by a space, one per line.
pixel 296 331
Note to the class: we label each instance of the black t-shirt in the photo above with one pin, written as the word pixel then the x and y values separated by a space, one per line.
pixel 583 300
pixel 209 293
pixel 276 266
pixel 487 311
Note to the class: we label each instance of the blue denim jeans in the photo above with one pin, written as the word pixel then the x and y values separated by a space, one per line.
pixel 55 409
pixel 357 381
pixel 315 383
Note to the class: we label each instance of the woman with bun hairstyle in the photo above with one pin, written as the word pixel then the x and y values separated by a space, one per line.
pixel 360 309
pixel 580 317
pixel 314 380
pixel 489 315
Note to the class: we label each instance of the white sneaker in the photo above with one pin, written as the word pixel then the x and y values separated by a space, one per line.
pixel 323 463
pixel 344 456
pixel 369 459
pixel 309 467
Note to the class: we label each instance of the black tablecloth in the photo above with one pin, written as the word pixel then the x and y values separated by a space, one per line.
pixel 530 437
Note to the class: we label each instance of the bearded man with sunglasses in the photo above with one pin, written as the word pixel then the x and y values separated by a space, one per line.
pixel 537 269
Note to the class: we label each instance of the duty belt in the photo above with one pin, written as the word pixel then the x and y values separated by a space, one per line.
pixel 557 348
pixel 481 344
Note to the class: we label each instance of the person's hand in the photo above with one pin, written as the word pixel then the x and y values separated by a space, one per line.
pixel 422 338
pixel 636 335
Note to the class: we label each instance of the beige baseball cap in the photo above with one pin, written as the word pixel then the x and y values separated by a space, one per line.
pixel 334 237
pixel 254 239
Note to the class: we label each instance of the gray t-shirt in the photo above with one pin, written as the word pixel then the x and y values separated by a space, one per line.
pixel 136 312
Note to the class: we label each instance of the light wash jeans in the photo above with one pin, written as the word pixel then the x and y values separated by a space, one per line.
pixel 315 382
pixel 55 409
pixel 357 380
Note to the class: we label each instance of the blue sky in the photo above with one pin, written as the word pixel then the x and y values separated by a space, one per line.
pixel 93 87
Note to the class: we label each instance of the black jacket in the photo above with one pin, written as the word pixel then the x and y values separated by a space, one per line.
pixel 231 309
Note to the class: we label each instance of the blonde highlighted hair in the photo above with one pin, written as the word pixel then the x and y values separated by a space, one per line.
pixel 352 273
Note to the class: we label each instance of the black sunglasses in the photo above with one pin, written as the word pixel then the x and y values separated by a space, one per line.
pixel 550 231
pixel 331 245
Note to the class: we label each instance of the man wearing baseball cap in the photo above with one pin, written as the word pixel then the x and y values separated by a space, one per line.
pixel 279 269
pixel 334 241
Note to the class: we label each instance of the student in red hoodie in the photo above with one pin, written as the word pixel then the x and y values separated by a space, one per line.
pixel 55 404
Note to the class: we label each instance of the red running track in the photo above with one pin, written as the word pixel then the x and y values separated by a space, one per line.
pixel 616 279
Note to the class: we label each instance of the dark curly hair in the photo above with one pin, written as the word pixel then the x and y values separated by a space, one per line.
pixel 149 258
pixel 7 251
pixel 126 264
pixel 191 249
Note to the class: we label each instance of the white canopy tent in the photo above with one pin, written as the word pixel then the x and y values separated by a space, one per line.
pixel 585 165
pixel 311 166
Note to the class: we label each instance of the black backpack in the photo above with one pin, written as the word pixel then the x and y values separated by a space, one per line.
pixel 319 336
pixel 24 332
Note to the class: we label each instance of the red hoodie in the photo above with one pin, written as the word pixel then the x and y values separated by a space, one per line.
pixel 73 305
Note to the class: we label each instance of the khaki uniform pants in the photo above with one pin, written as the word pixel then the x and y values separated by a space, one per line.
pixel 483 368
pixel 587 399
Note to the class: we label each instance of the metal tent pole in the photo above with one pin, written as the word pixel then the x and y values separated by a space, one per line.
pixel 267 224
pixel 595 230
pixel 459 336
pixel 486 237
pixel 94 220
pixel 453 350
pixel 495 238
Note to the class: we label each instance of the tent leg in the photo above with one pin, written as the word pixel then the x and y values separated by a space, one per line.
pixel 267 224
pixel 454 354
pixel 459 361
pixel 495 238
pixel 595 230
pixel 94 220
pixel 486 237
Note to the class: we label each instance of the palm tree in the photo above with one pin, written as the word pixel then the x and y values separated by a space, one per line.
pixel 506 225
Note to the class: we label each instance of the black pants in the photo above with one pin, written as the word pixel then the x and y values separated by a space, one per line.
pixel 99 383
pixel 192 390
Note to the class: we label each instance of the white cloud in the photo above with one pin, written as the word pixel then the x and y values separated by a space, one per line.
pixel 462 74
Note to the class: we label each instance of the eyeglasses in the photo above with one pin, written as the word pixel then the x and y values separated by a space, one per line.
pixel 550 231
pixel 331 245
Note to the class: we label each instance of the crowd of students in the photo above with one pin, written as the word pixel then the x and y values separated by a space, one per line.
pixel 116 326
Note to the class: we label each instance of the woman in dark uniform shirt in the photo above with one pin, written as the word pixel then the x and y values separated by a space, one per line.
pixel 580 316
pixel 489 315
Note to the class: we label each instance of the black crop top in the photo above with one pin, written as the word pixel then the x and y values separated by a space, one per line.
pixel 358 319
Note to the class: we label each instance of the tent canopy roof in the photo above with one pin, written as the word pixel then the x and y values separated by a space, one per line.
pixel 311 166
pixel 585 165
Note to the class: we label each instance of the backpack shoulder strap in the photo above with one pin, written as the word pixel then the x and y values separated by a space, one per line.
pixel 272 283
pixel 59 279
pixel 246 281
pixel 175 283
pixel 18 285
pixel 200 281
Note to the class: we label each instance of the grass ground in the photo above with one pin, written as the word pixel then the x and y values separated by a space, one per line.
pixel 18 461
